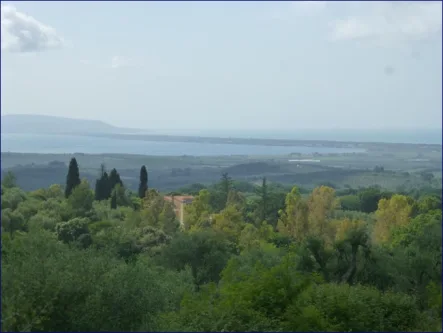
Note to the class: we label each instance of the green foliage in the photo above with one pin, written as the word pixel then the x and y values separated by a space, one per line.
pixel 13 221
pixel 435 298
pixel 350 202
pixel 11 198
pixel 267 260
pixel 81 199
pixel 205 252
pixel 428 203
pixel 369 199
pixel 114 200
pixel 345 308
pixel 72 230
pixel 9 180
pixel 47 286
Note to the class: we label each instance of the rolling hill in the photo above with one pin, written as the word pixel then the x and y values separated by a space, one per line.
pixel 39 124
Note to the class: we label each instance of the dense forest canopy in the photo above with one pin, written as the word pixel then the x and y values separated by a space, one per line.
pixel 247 258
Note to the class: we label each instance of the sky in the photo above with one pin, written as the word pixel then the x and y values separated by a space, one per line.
pixel 225 65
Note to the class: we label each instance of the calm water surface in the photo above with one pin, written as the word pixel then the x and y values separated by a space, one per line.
pixel 59 144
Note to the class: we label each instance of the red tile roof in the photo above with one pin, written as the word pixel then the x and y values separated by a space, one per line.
pixel 179 198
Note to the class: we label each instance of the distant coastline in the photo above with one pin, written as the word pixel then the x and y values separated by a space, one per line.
pixel 331 138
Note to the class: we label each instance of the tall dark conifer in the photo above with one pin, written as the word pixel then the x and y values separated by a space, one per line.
pixel 114 200
pixel 226 185
pixel 98 189
pixel 102 186
pixel 106 186
pixel 143 186
pixel 73 177
pixel 114 179
pixel 264 200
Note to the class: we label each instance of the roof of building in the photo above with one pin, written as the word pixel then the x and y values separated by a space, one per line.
pixel 180 198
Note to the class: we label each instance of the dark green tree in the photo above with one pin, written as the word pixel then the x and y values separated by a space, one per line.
pixel 102 185
pixel 9 180
pixel 114 179
pixel 226 185
pixel 106 186
pixel 114 200
pixel 73 177
pixel 264 200
pixel 143 187
pixel 98 187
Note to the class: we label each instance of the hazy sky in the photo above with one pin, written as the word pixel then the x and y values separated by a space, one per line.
pixel 225 65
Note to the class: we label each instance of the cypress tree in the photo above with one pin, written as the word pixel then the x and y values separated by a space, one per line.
pixel 114 179
pixel 143 187
pixel 73 177
pixel 226 184
pixel 102 190
pixel 98 189
pixel 106 186
pixel 264 200
pixel 114 200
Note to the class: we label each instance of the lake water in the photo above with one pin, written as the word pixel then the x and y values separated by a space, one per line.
pixel 60 144
pixel 413 135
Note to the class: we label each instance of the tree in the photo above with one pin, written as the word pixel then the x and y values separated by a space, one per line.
pixel 105 188
pixel 106 184
pixel 114 200
pixel 71 230
pixel 237 199
pixel 97 192
pixel 391 213
pixel 114 179
pixel 428 203
pixel 206 252
pixel 271 199
pixel 350 202
pixel 249 237
pixel 9 180
pixel 321 204
pixel 101 185
pixel 123 197
pixel 369 199
pixel 73 177
pixel 167 219
pixel 12 221
pixel 226 184
pixel 352 235
pixel 158 213
pixel 197 214
pixel 229 221
pixel 55 191
pixel 264 200
pixel 81 199
pixel 294 219
pixel 12 198
pixel 345 308
pixel 143 186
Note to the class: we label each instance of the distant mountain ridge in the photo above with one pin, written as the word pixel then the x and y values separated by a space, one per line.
pixel 40 124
